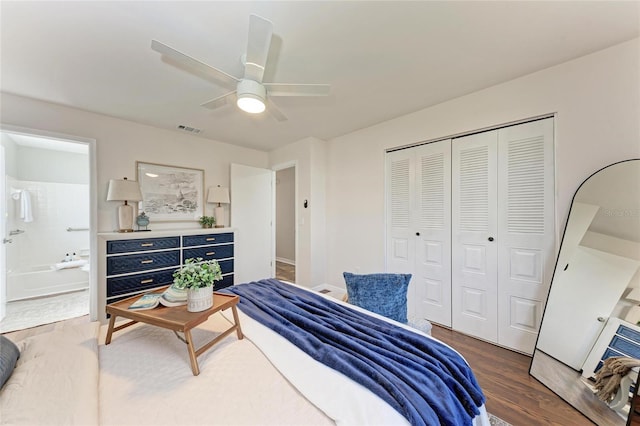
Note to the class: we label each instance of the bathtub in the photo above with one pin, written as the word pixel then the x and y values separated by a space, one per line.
pixel 43 281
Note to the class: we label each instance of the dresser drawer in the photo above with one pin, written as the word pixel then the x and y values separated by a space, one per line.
pixel 142 262
pixel 627 347
pixel 128 246
pixel 206 239
pixel 226 281
pixel 226 266
pixel 628 333
pixel 208 253
pixel 138 282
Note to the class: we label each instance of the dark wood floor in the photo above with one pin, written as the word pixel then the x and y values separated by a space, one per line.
pixel 511 393
pixel 285 272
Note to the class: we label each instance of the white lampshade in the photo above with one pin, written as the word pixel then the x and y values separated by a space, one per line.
pixel 124 190
pixel 218 195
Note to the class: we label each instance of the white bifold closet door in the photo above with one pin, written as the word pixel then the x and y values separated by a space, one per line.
pixel 419 227
pixel 472 218
pixel 503 246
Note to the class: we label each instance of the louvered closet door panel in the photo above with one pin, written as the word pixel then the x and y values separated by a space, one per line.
pixel 432 221
pixel 526 225
pixel 474 236
pixel 400 184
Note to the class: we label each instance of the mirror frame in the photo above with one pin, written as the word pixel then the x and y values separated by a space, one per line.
pixel 634 413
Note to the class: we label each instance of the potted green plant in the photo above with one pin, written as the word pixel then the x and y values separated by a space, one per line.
pixel 197 277
pixel 207 221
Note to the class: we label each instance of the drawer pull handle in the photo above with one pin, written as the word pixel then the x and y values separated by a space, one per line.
pixel 146 261
pixel 146 245
pixel 150 280
pixel 211 239
pixel 211 253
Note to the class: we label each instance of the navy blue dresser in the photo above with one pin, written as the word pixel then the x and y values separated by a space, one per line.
pixel 137 265
pixel 618 338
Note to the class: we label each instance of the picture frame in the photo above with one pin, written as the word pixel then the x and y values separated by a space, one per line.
pixel 170 193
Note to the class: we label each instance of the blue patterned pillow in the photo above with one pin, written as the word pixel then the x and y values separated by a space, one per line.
pixel 384 294
pixel 9 354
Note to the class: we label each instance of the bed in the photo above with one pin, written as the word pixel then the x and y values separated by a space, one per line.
pixel 143 376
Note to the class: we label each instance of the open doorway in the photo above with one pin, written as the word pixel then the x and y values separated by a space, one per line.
pixel 286 224
pixel 46 230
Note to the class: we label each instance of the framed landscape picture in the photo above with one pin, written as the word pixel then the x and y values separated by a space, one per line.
pixel 170 193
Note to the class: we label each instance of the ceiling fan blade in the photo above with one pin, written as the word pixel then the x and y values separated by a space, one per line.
pixel 195 64
pixel 282 89
pixel 220 101
pixel 275 111
pixel 260 32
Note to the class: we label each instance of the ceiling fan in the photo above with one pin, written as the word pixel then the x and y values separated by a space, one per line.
pixel 251 93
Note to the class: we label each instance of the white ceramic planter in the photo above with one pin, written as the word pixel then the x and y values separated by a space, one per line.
pixel 199 299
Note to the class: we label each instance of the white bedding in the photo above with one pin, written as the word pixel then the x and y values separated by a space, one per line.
pixel 144 378
pixel 342 399
pixel 55 381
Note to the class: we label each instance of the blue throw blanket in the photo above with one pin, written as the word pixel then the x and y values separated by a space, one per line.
pixel 423 379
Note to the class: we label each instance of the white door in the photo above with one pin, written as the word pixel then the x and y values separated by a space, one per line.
pixel 252 216
pixel 474 234
pixel 418 227
pixel 526 249
pixel 432 225
pixel 577 326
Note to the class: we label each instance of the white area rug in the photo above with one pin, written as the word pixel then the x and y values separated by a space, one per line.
pixel 44 310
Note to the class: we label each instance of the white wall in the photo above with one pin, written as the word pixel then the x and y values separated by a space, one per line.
pixel 10 155
pixel 45 241
pixel 45 165
pixel 120 143
pixel 597 105
pixel 285 215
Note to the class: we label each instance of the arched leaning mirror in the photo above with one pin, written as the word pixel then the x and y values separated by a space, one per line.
pixel 592 312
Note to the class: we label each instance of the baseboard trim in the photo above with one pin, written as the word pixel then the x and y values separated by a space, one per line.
pixel 287 261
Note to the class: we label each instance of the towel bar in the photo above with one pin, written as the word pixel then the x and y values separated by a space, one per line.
pixel 76 229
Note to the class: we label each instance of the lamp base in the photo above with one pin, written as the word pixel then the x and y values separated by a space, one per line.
pixel 219 212
pixel 125 218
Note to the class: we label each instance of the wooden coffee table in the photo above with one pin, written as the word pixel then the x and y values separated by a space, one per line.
pixel 177 319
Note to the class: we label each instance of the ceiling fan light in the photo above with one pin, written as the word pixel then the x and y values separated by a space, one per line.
pixel 251 103
pixel 251 96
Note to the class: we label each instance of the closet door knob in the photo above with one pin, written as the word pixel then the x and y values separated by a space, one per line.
pixel 490 238
pixel 417 234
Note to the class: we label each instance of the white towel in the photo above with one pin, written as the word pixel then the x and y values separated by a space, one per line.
pixel 25 206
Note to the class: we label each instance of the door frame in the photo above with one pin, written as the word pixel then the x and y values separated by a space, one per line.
pixel 93 202
pixel 276 168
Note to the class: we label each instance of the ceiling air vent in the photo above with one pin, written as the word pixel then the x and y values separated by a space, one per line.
pixel 189 129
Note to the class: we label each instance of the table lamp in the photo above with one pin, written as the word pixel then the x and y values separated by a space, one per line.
pixel 124 190
pixel 221 196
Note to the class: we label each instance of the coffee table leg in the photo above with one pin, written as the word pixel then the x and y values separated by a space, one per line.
pixel 192 353
pixel 237 321
pixel 112 322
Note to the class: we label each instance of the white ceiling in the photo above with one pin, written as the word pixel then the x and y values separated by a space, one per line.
pixel 382 59
pixel 47 143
